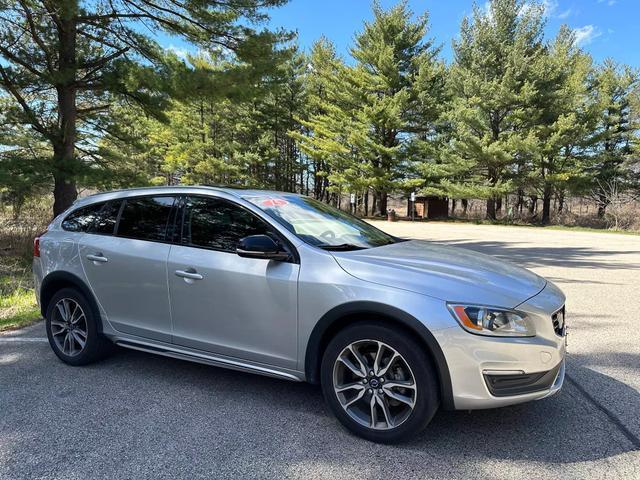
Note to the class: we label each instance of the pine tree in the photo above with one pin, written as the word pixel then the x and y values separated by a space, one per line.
pixel 394 63
pixel 615 136
pixel 335 136
pixel 492 86
pixel 559 120
pixel 63 62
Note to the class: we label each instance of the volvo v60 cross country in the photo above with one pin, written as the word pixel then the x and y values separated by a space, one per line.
pixel 283 285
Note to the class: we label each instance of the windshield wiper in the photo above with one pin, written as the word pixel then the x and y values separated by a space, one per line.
pixel 342 247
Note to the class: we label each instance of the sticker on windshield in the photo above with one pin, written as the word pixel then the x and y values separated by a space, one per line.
pixel 273 202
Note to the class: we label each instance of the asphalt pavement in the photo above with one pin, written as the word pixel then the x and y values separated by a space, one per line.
pixel 137 415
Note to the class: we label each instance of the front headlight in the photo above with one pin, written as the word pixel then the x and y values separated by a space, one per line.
pixel 492 321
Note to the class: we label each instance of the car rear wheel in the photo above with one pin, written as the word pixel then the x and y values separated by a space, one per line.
pixel 379 382
pixel 72 329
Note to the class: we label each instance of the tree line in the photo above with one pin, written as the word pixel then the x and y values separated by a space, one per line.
pixel 91 100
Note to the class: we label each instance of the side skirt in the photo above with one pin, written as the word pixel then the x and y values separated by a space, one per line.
pixel 207 359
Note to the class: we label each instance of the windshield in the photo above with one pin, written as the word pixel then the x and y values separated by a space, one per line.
pixel 320 224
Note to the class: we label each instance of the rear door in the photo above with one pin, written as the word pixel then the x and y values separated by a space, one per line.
pixel 128 270
pixel 240 307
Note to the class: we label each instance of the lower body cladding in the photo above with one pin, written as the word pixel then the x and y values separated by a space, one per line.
pixel 488 372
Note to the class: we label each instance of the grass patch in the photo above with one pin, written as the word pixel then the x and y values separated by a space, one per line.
pixel 18 306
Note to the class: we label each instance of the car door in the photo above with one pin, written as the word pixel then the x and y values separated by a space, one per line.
pixel 128 271
pixel 223 303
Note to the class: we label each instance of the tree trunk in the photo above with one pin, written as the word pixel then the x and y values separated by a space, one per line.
pixel 520 200
pixel 533 205
pixel 491 208
pixel 382 203
pixel 602 203
pixel 561 201
pixel 64 193
pixel 366 203
pixel 64 161
pixel 499 204
pixel 453 207
pixel 546 204
pixel 465 206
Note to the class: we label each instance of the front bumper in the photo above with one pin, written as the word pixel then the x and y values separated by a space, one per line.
pixel 488 372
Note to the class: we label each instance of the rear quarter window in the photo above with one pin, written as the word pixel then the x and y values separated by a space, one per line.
pixel 82 219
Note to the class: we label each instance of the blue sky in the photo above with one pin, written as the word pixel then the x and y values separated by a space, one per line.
pixel 604 28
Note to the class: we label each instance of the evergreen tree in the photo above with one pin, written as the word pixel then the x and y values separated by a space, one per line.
pixel 335 136
pixel 615 136
pixel 364 116
pixel 394 61
pixel 63 62
pixel 559 118
pixel 492 84
pixel 240 138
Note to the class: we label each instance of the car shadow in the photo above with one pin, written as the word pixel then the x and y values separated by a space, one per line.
pixel 528 256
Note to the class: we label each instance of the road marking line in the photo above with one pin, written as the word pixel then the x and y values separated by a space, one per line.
pixel 23 339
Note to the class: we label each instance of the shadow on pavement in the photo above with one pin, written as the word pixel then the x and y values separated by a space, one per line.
pixel 136 412
pixel 527 256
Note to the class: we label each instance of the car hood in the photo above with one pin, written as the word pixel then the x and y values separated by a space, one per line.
pixel 448 273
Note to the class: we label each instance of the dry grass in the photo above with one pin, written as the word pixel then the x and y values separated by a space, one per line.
pixel 17 301
pixel 578 212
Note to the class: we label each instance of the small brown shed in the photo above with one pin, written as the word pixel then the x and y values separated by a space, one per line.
pixel 431 207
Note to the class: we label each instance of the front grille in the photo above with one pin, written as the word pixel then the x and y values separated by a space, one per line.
pixel 558 319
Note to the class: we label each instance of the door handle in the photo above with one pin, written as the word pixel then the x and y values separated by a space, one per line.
pixel 98 257
pixel 189 273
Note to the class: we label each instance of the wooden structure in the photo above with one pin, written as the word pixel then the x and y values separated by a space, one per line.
pixel 430 207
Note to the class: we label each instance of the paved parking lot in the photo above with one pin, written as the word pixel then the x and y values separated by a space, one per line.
pixel 141 416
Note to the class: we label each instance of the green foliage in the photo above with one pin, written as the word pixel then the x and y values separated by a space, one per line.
pixel 363 116
pixel 209 139
pixel 66 66
pixel 91 100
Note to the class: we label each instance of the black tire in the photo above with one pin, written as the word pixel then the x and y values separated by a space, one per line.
pixel 426 396
pixel 96 346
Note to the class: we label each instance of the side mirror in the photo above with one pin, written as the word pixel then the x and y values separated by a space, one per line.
pixel 260 246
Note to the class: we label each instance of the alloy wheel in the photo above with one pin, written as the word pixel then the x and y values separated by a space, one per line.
pixel 374 384
pixel 69 327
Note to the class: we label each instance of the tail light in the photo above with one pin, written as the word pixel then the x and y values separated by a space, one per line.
pixel 36 244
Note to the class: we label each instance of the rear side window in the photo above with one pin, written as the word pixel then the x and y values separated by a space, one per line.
pixel 106 221
pixel 145 218
pixel 82 219
pixel 219 225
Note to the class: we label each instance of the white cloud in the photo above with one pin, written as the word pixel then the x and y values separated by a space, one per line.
pixel 585 35
pixel 179 52
pixel 610 3
pixel 549 6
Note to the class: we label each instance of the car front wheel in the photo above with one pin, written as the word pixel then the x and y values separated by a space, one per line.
pixel 379 382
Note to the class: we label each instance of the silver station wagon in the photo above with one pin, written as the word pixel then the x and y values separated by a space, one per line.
pixel 283 285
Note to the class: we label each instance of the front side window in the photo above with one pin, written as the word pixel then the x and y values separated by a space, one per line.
pixel 83 218
pixel 145 218
pixel 320 224
pixel 218 224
